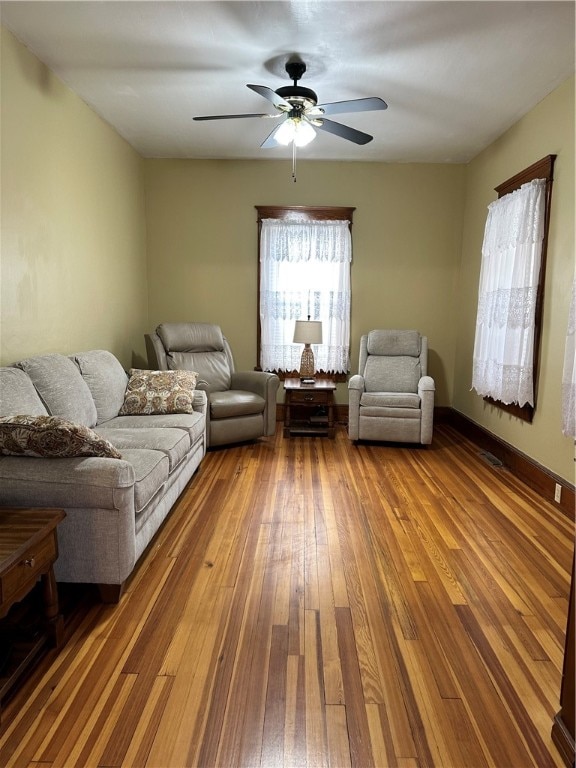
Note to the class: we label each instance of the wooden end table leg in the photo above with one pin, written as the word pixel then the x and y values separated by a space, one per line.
pixel 287 415
pixel 331 425
pixel 54 620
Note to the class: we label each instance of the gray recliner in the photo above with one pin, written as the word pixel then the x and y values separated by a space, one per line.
pixel 392 397
pixel 242 404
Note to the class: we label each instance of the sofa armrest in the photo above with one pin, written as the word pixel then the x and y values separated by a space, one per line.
pixel 26 481
pixel 200 401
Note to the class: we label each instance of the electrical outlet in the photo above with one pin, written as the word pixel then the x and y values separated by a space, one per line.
pixel 557 493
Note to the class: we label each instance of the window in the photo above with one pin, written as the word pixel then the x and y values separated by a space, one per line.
pixel 511 288
pixel 304 272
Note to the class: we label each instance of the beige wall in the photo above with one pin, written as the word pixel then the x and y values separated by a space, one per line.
pixel 202 245
pixel 547 129
pixel 73 249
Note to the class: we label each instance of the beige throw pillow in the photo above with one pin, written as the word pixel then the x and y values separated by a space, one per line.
pixel 157 392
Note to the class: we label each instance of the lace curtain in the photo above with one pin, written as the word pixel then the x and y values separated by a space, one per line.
pixel 305 271
pixel 569 375
pixel 511 253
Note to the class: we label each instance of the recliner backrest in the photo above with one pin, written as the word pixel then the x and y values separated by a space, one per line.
pixel 199 347
pixel 393 361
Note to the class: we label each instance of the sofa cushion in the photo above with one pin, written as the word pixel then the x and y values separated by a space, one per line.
pixel 193 423
pixel 175 443
pixel 157 392
pixel 51 437
pixel 17 394
pixel 151 470
pixel 234 402
pixel 61 388
pixel 106 379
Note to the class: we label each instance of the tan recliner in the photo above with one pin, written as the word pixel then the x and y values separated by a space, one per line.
pixel 392 397
pixel 242 404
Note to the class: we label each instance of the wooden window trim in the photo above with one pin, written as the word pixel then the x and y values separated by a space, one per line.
pixel 542 169
pixel 297 213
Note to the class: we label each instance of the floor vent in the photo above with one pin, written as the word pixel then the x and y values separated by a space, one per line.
pixel 489 458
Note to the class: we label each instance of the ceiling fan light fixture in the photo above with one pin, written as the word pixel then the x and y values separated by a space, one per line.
pixel 304 133
pixel 295 130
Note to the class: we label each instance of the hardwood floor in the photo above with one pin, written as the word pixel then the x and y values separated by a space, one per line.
pixel 314 603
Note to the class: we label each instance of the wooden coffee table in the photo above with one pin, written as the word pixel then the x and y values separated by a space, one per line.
pixel 28 550
pixel 309 408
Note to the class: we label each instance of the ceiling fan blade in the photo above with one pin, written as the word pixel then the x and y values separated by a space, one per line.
pixel 354 105
pixel 270 140
pixel 344 131
pixel 230 117
pixel 272 96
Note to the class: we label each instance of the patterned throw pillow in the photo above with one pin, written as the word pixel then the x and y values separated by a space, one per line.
pixel 157 392
pixel 51 437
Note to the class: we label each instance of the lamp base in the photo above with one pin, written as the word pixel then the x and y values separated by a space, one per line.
pixel 307 363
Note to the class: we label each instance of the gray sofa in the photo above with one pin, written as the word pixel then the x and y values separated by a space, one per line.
pixel 113 506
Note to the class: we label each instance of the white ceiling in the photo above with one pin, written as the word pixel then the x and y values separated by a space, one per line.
pixel 454 74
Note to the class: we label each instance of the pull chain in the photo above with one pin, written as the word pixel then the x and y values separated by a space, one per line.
pixel 294 161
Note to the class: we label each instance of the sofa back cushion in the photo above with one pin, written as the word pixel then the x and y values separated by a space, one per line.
pixel 106 379
pixel 61 388
pixel 17 394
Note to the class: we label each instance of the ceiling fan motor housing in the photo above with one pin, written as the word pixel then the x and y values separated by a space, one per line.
pixel 296 94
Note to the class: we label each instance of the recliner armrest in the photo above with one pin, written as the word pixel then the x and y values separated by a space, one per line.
pixel 357 382
pixel 265 384
pixel 356 386
pixel 426 384
pixel 426 388
pixel 258 382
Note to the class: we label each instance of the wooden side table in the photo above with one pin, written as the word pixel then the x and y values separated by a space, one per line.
pixel 309 408
pixel 28 550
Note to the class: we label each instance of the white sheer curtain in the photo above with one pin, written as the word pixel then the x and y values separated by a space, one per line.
pixel 511 254
pixel 569 375
pixel 305 271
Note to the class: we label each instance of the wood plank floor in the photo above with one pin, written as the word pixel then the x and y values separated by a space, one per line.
pixel 314 603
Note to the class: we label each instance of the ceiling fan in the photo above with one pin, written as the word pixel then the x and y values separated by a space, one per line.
pixel 300 112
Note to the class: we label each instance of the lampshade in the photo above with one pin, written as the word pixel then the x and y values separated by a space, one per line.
pixel 297 130
pixel 308 332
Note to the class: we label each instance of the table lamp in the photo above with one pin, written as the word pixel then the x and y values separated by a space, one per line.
pixel 307 332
